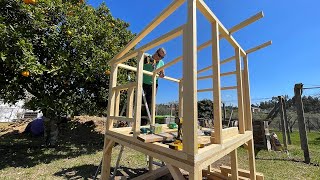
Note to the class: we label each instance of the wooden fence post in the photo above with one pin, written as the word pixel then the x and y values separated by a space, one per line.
pixel 301 121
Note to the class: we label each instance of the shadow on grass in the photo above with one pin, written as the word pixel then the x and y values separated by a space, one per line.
pixel 75 139
pixel 280 159
pixel 88 172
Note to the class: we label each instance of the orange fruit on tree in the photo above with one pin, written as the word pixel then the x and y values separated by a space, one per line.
pixel 29 1
pixel 107 72
pixel 25 73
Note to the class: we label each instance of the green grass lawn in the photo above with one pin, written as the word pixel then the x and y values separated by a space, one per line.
pixel 80 152
pixel 279 165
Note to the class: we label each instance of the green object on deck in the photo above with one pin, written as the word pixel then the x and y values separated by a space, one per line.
pixel 173 125
pixel 144 130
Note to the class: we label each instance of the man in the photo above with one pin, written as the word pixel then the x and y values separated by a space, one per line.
pixel 151 62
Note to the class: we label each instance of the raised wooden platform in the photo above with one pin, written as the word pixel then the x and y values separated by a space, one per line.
pixel 205 156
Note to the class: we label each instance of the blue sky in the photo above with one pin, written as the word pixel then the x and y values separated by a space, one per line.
pixel 293 26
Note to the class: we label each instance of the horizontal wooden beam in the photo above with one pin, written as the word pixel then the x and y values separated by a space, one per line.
pixel 152 175
pixel 122 118
pixel 160 40
pixel 263 45
pixel 163 15
pixel 242 172
pixel 222 74
pixel 208 43
pixel 259 47
pixel 222 88
pixel 125 86
pixel 206 11
pixel 228 87
pixel 205 156
pixel 226 134
pixel 246 22
pixel 228 73
pixel 124 66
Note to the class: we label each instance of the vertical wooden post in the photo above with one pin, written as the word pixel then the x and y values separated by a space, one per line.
pixel 286 121
pixel 196 174
pixel 130 97
pixel 283 124
pixel 224 111
pixel 190 109
pixel 153 102
pixel 117 103
pixel 239 91
pixel 234 165
pixel 216 83
pixel 153 113
pixel 180 99
pixel 301 121
pixel 111 98
pixel 246 88
pixel 137 109
pixel 106 159
pixel 252 163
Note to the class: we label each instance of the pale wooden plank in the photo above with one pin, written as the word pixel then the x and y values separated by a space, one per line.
pixel 111 101
pixel 106 159
pixel 246 22
pixel 233 57
pixel 147 72
pixel 252 160
pixel 190 114
pixel 160 40
pixel 153 175
pixel 213 152
pixel 263 45
pixel 125 86
pixel 246 87
pixel 137 109
pixel 239 91
pixel 216 83
pixel 206 11
pixel 242 172
pixel 175 172
pixel 229 87
pixel 117 103
pixel 196 174
pixel 153 102
pixel 156 150
pixel 163 15
pixel 180 99
pixel 234 164
pixel 122 118
pixel 208 43
pixel 130 96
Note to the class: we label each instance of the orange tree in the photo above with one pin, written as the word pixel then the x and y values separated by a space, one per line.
pixel 57 51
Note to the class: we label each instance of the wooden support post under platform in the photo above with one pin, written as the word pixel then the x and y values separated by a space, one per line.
pixel 234 165
pixel 175 172
pixel 106 159
pixel 252 161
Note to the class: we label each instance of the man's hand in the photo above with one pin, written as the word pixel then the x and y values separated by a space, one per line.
pixel 161 74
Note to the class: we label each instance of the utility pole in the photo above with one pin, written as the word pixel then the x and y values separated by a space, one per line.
pixel 301 121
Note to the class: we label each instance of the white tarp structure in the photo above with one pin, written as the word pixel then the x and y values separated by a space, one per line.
pixel 9 112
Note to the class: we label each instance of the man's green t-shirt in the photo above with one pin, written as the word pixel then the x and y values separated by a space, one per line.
pixel 150 67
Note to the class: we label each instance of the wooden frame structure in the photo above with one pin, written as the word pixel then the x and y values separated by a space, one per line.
pixel 223 141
